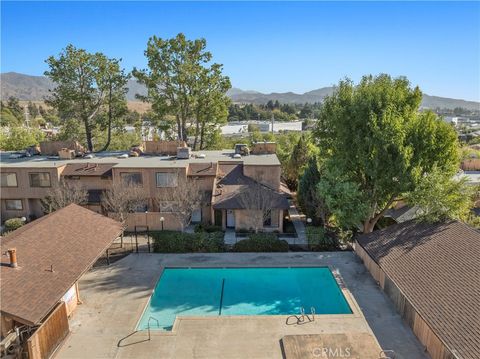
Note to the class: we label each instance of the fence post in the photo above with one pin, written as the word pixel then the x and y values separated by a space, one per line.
pixel 148 239
pixel 136 239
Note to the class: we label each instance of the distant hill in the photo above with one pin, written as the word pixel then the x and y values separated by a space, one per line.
pixel 35 88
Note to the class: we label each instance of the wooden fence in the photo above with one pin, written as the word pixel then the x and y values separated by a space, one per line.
pixel 374 269
pixel 49 335
pixel 163 147
pixel 472 164
pixel 422 330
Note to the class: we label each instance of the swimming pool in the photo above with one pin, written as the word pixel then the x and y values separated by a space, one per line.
pixel 242 291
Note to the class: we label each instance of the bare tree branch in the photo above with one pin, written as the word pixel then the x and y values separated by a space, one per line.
pixel 63 194
pixel 122 199
pixel 181 201
pixel 257 200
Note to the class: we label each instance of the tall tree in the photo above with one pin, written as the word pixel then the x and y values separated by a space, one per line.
pixel 114 80
pixel 175 78
pixel 378 143
pixel 311 203
pixel 212 103
pixel 81 86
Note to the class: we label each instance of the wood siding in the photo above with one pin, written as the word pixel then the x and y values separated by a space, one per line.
pixel 372 267
pixel 421 329
pixel 49 335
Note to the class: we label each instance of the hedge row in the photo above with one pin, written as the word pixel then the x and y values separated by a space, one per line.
pixel 320 240
pixel 180 242
pixel 261 242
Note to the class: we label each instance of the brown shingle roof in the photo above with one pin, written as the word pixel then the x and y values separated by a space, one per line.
pixel 88 169
pixel 70 239
pixel 437 268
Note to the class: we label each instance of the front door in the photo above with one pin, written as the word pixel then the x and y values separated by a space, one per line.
pixel 197 215
pixel 230 218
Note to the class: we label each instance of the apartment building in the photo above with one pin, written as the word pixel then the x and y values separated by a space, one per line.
pixel 220 175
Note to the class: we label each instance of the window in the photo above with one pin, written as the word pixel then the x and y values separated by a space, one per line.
pixel 40 179
pixel 9 179
pixel 132 178
pixel 167 179
pixel 267 218
pixel 13 204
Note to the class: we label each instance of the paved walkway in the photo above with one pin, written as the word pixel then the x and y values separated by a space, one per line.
pixel 230 237
pixel 114 298
pixel 298 224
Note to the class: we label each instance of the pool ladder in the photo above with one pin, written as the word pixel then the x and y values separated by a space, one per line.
pixel 148 325
pixel 387 354
pixel 301 319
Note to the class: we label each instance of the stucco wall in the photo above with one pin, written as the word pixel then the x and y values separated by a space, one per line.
pixel 246 219
pixel 268 175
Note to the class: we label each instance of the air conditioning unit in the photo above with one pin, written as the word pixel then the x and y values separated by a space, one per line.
pixel 183 153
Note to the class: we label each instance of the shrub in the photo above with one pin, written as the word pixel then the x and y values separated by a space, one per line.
pixel 13 224
pixel 320 240
pixel 179 242
pixel 208 228
pixel 261 242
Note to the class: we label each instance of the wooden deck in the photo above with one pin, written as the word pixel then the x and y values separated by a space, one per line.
pixel 345 345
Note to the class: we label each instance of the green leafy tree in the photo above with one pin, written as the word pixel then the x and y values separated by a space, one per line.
pixel 441 197
pixel 211 105
pixel 19 138
pixel 114 81
pixel 297 160
pixel 309 200
pixel 174 68
pixel 82 82
pixel 379 146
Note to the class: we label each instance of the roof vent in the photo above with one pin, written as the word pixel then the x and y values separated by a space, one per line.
pixel 12 254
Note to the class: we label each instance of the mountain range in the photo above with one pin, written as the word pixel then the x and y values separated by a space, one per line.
pixel 35 88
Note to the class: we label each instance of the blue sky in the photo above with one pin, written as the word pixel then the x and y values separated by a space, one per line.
pixel 268 46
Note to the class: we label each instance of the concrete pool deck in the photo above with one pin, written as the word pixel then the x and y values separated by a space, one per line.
pixel 114 298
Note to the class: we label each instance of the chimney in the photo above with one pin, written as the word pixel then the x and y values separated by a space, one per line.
pixel 12 253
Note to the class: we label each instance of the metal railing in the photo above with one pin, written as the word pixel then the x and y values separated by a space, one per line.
pixel 148 325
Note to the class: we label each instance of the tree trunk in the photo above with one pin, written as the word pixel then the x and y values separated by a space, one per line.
pixel 369 224
pixel 179 128
pixel 88 134
pixel 197 130
pixel 109 129
pixel 202 134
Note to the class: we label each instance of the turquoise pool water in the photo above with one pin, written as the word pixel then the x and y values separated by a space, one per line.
pixel 242 291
